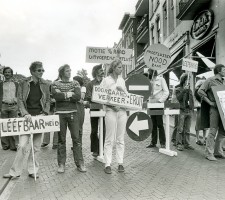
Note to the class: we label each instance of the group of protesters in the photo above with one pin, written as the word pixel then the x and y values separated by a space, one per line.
pixel 36 96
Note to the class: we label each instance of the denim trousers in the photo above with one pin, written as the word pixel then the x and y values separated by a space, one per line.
pixel 80 114
pixel 9 112
pixel 213 146
pixel 17 167
pixel 115 130
pixel 71 121
pixel 46 138
pixel 183 128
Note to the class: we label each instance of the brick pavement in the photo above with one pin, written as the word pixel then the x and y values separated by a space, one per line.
pixel 148 175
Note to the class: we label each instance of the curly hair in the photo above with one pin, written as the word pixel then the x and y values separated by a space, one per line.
pixel 35 65
pixel 79 80
pixel 218 68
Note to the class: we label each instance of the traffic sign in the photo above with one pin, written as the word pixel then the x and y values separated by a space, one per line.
pixel 139 126
pixel 139 84
pixel 157 57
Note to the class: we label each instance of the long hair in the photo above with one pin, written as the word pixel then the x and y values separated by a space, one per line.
pixel 183 78
pixel 95 70
pixel 61 70
pixel 113 65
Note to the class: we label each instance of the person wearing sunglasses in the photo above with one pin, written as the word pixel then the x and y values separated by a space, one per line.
pixel 33 100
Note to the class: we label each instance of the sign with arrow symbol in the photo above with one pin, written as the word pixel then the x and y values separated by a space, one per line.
pixel 139 126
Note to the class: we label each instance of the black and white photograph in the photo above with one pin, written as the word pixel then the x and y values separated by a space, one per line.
pixel 112 100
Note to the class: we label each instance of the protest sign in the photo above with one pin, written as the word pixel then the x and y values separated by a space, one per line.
pixel 39 124
pixel 117 98
pixel 107 55
pixel 157 57
pixel 219 94
pixel 189 65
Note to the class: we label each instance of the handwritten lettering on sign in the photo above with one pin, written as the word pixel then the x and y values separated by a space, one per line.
pixel 39 124
pixel 107 55
pixel 189 65
pixel 117 98
pixel 157 57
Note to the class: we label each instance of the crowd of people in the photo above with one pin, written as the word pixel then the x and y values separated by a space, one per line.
pixel 68 99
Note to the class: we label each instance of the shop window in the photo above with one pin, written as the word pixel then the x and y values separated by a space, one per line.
pixel 165 19
pixel 171 17
pixel 158 24
pixel 152 35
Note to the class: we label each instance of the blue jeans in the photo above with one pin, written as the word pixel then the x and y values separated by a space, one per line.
pixel 71 121
pixel 183 128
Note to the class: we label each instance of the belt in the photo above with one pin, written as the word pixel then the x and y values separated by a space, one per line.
pixel 9 104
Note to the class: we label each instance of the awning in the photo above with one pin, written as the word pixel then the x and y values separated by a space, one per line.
pixel 175 62
pixel 208 62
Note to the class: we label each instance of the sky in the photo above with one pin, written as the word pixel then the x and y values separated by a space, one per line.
pixel 57 32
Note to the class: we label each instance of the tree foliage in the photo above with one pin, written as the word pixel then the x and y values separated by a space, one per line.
pixel 83 73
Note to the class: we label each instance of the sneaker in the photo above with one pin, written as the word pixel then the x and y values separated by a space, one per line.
pixel 10 176
pixel 211 158
pixel 151 146
pixel 81 168
pixel 44 145
pixel 108 170
pixel 95 154
pixel 180 147
pixel 121 168
pixel 219 156
pixel 61 168
pixel 199 142
pixel 54 146
pixel 32 176
pixel 189 147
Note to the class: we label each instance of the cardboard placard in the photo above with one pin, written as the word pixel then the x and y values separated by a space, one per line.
pixel 106 55
pixel 39 124
pixel 157 57
pixel 219 94
pixel 117 98
pixel 189 65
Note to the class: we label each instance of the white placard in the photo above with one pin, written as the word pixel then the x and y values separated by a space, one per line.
pixel 189 65
pixel 117 98
pixel 39 124
pixel 157 57
pixel 107 55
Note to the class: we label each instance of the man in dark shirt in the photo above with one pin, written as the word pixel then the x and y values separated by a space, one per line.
pixel 205 91
pixel 33 99
pixel 98 74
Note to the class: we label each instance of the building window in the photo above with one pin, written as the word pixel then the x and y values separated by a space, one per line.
pixel 165 19
pixel 152 35
pixel 171 17
pixel 152 8
pixel 158 24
